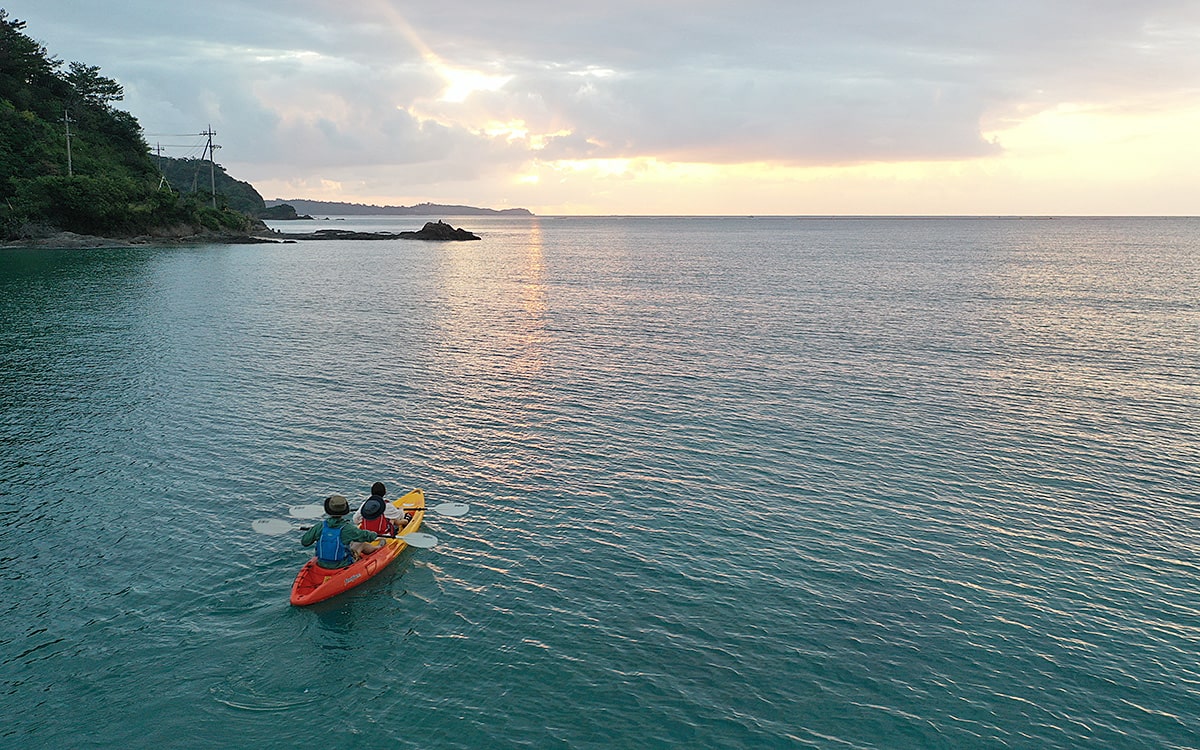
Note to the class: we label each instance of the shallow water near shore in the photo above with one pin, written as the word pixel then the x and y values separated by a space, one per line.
pixel 828 483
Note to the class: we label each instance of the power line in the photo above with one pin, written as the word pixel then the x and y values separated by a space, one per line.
pixel 208 148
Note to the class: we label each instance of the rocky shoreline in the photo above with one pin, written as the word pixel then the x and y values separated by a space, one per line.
pixel 438 231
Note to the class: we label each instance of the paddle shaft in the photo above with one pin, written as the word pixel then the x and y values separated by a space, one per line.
pixel 305 528
pixel 417 539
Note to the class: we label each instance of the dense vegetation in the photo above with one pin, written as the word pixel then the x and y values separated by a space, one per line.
pixel 193 176
pixel 107 184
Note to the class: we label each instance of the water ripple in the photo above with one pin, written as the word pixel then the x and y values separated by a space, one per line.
pixel 927 484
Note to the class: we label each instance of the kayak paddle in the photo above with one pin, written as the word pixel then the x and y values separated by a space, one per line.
pixel 278 526
pixel 449 510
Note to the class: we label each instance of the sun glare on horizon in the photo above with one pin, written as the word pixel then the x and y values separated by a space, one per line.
pixel 535 151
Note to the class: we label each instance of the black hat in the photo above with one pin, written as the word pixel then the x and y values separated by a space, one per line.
pixel 378 489
pixel 372 508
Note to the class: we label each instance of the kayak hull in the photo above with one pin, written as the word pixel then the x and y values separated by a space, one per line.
pixel 316 584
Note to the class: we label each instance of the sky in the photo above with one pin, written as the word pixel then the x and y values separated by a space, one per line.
pixel 668 107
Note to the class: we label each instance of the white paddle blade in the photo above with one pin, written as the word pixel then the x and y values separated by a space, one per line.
pixel 452 510
pixel 418 539
pixel 307 512
pixel 272 526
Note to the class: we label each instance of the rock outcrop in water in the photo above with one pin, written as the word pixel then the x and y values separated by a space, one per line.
pixel 438 231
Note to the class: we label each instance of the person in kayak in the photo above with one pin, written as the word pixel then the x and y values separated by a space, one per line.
pixel 378 515
pixel 338 541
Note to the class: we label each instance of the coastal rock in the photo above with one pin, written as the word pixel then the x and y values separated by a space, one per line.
pixel 66 241
pixel 438 231
pixel 182 234
pixel 185 234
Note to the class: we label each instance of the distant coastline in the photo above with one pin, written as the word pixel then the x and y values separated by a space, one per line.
pixel 333 208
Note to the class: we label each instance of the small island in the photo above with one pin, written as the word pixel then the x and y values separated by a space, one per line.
pixel 334 208
pixel 281 212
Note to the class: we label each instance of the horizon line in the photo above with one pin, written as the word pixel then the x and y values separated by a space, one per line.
pixel 780 216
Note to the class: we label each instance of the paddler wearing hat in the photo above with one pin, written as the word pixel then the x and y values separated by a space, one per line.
pixel 338 540
pixel 378 515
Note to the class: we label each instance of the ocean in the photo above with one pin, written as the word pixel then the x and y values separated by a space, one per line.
pixel 734 483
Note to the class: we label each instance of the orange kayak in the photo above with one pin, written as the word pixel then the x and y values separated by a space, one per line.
pixel 316 584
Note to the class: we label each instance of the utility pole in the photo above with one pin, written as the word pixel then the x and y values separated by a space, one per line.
pixel 162 176
pixel 212 169
pixel 67 121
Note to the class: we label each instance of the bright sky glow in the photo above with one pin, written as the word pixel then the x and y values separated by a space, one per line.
pixel 460 84
pixel 749 107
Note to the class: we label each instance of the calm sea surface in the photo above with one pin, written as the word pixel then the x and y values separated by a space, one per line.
pixel 735 483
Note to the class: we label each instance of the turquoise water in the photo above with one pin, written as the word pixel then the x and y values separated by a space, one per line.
pixel 734 483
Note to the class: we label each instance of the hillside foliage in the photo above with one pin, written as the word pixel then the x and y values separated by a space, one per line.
pixel 107 184
pixel 194 176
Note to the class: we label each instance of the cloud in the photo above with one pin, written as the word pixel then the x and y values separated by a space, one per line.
pixel 447 90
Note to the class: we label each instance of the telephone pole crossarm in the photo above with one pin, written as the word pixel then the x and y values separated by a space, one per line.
pixel 212 169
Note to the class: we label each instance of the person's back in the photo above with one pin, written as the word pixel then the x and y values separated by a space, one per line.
pixel 336 538
pixel 331 551
pixel 373 518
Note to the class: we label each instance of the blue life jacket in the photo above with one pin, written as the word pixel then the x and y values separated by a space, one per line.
pixel 329 545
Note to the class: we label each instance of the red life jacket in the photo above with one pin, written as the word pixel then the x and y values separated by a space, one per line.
pixel 380 525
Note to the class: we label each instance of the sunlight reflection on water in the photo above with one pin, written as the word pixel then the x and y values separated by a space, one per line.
pixel 733 483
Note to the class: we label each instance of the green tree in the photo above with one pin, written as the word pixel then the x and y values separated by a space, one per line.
pixel 114 188
pixel 26 69
pixel 91 88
